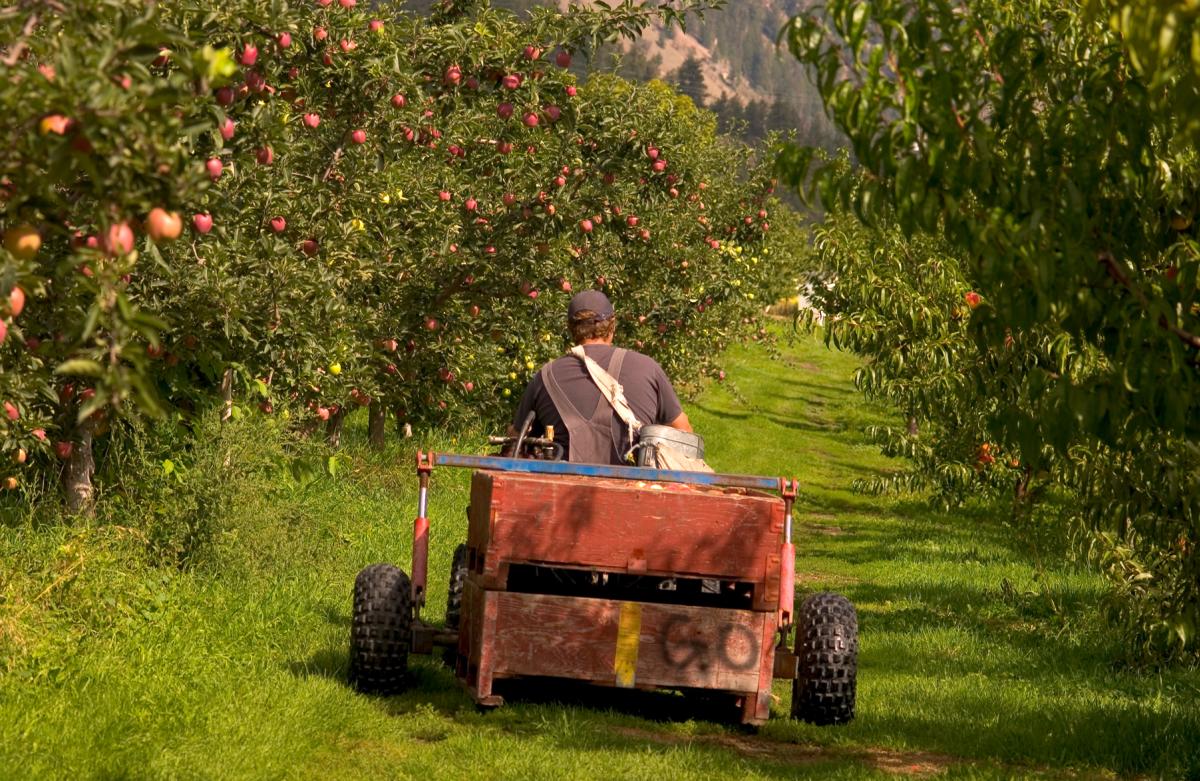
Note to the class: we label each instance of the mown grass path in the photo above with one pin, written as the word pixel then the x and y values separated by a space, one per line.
pixel 972 664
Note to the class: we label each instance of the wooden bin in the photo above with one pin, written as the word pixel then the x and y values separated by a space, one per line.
pixel 620 527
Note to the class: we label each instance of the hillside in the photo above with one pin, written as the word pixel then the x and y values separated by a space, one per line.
pixel 754 86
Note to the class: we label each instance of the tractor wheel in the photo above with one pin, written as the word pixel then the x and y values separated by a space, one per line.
pixel 827 646
pixel 454 597
pixel 381 630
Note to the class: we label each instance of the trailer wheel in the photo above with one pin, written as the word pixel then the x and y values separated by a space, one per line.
pixel 458 581
pixel 827 646
pixel 381 630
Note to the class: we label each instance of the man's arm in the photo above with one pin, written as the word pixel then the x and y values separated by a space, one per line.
pixel 682 423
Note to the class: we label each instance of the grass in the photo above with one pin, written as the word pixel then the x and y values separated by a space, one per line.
pixel 973 663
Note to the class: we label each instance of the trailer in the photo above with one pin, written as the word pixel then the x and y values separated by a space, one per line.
pixel 616 576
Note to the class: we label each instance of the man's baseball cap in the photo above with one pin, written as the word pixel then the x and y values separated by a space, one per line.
pixel 590 301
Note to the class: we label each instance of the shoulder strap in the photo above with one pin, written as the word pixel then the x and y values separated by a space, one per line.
pixel 610 389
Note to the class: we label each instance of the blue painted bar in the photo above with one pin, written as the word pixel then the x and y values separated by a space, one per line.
pixel 531 466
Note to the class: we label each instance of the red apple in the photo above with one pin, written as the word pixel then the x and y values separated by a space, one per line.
pixel 399 101
pixel 509 199
pixel 226 96
pixel 471 204
pixel 572 91
pixel 16 301
pixel 511 81
pixel 249 55
pixel 202 222
pixel 11 410
pixel 312 120
pixel 214 167
pixel 278 224
pixel 162 225
pixel 530 119
pixel 359 136
pixel 563 59
pixel 565 285
pixel 227 128
pixel 444 195
pixel 265 155
pixel 284 40
pixel 553 112
pixel 532 53
pixel 504 110
pixel 431 324
pixel 586 226
pixel 347 45
pixel 320 34
pixel 118 240
pixel 375 25
pixel 309 247
pixel 453 76
pixel 63 450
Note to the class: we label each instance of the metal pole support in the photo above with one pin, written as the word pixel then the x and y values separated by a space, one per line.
pixel 787 557
pixel 420 555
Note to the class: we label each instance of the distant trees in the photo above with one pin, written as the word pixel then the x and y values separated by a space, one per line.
pixel 688 78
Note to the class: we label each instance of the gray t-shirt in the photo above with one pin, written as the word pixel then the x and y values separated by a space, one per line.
pixel 647 389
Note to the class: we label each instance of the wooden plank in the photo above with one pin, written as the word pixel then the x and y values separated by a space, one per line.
pixel 625 526
pixel 677 646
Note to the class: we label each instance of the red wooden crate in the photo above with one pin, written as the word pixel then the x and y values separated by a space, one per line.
pixel 625 526
pixel 613 643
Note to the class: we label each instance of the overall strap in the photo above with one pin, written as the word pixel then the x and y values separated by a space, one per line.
pixel 566 409
pixel 604 407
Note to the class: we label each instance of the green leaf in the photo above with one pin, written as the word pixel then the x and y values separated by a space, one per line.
pixel 80 367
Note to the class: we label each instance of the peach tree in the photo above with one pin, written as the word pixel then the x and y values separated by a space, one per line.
pixel 1052 152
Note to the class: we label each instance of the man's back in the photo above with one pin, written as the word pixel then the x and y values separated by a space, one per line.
pixel 647 390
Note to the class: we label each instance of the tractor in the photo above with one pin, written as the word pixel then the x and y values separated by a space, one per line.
pixel 619 576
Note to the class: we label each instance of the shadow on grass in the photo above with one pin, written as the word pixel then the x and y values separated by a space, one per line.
pixel 331 662
pixel 661 706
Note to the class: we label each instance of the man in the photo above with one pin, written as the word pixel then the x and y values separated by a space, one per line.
pixel 564 395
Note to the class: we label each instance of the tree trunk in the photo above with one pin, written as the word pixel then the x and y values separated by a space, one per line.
pixel 77 474
pixel 377 426
pixel 913 428
pixel 227 395
pixel 333 429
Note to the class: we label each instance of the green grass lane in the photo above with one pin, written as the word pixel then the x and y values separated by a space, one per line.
pixel 236 669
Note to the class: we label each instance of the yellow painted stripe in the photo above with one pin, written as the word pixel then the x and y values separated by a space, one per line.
pixel 629 628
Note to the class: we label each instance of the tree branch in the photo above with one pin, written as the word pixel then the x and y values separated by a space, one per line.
pixel 1120 277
